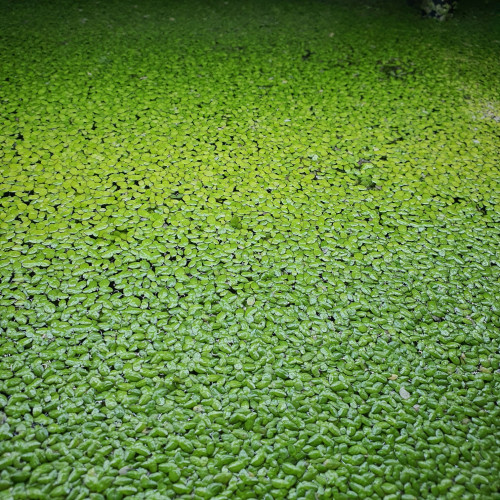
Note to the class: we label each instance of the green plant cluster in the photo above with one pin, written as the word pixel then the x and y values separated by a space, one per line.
pixel 248 253
pixel 438 9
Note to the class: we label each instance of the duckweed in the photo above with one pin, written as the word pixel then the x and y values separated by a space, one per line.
pixel 248 250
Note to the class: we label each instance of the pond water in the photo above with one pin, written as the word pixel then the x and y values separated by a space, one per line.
pixel 248 250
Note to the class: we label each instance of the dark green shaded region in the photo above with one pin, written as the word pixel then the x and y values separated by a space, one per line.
pixel 248 250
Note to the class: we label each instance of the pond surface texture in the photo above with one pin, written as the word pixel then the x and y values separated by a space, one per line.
pixel 249 250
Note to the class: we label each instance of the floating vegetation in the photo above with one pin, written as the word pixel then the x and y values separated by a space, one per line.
pixel 248 253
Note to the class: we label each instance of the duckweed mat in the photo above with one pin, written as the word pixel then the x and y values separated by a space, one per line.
pixel 248 250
